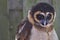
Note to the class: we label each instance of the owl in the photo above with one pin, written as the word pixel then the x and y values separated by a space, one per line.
pixel 39 24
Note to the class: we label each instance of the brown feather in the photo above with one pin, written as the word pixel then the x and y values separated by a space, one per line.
pixel 23 35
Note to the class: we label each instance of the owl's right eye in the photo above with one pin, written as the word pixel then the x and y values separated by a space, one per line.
pixel 40 17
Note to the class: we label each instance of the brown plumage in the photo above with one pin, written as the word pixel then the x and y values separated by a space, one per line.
pixel 22 33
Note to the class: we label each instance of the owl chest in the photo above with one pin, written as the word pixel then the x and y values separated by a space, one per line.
pixel 40 35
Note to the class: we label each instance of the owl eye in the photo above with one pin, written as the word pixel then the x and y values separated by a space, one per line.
pixel 40 16
pixel 48 17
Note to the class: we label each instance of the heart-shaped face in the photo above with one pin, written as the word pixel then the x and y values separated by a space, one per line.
pixel 43 19
pixel 42 15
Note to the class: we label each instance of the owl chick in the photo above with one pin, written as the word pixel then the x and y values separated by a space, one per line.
pixel 38 25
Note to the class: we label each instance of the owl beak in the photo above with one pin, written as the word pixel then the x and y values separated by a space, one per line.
pixel 44 22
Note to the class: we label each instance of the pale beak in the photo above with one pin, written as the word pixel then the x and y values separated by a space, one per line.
pixel 44 23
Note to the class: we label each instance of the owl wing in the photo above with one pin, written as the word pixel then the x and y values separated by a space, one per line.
pixel 23 30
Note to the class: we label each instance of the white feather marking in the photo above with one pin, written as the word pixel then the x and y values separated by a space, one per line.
pixel 19 31
pixel 21 28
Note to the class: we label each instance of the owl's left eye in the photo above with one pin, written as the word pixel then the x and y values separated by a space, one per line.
pixel 40 16
pixel 48 16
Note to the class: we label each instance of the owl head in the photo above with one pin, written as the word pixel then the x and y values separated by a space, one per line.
pixel 42 15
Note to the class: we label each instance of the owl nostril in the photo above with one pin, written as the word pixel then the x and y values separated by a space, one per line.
pixel 42 23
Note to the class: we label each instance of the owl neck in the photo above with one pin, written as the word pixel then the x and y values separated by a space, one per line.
pixel 49 29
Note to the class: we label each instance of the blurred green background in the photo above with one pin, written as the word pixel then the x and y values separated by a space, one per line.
pixel 12 11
